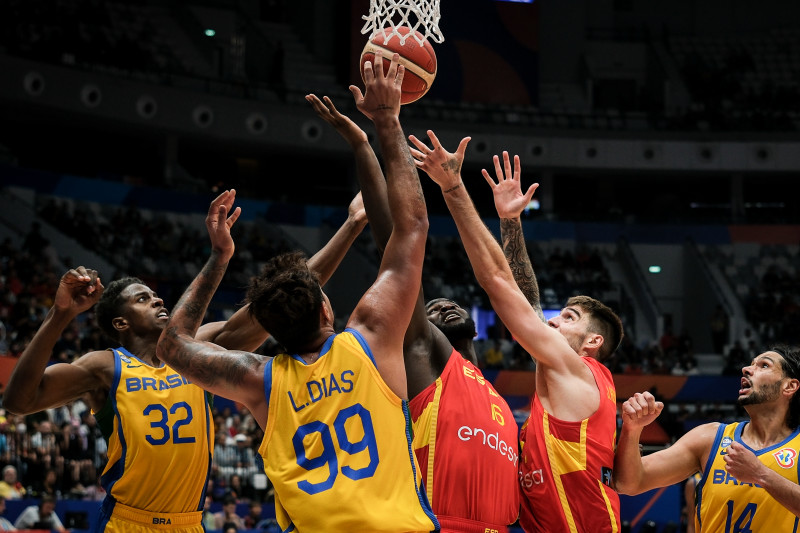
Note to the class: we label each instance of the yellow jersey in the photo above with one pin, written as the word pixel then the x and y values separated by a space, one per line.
pixel 161 443
pixel 337 446
pixel 724 504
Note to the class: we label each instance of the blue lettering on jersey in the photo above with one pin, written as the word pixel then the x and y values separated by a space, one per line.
pixel 324 388
pixel 135 384
pixel 721 477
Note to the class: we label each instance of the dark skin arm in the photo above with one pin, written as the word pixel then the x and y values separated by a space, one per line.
pixel 425 349
pixel 242 332
pixel 33 385
pixel 236 375
pixel 384 312
pixel 510 202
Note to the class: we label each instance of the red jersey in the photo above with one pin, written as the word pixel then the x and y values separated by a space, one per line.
pixel 566 467
pixel 465 439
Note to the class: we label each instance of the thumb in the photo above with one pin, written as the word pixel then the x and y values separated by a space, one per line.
pixel 357 96
pixel 530 191
pixel 462 146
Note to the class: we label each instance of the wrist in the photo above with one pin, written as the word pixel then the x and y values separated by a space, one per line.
pixel 453 187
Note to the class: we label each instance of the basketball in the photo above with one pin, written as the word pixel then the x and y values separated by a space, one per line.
pixel 419 61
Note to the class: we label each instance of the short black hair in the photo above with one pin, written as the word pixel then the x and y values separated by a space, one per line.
pixel 110 305
pixel 791 369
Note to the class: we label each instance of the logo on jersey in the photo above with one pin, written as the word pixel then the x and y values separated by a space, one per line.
pixel 727 441
pixel 127 360
pixel 785 457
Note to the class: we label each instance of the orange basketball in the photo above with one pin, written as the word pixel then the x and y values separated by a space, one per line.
pixel 419 61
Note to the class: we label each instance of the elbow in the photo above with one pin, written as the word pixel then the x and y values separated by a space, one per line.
pixel 14 406
pixel 624 488
pixel 627 486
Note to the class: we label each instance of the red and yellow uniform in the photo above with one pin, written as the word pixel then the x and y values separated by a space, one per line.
pixel 725 504
pixel 566 467
pixel 465 438
pixel 337 446
pixel 160 442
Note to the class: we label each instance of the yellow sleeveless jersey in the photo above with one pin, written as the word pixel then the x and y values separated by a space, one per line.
pixel 337 445
pixel 726 505
pixel 160 449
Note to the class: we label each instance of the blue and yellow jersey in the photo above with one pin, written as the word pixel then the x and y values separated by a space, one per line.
pixel 160 449
pixel 725 504
pixel 337 446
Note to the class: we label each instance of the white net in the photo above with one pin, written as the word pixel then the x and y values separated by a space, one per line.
pixel 419 15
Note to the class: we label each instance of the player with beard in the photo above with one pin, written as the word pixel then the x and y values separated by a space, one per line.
pixel 465 436
pixel 567 443
pixel 749 469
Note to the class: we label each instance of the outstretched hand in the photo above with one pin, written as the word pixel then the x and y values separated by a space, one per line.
pixel 443 167
pixel 78 290
pixel 640 409
pixel 219 223
pixel 508 198
pixel 381 92
pixel 348 129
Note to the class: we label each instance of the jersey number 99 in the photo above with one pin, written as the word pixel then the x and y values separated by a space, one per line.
pixel 329 456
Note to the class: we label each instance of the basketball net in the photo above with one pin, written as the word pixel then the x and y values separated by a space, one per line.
pixel 419 15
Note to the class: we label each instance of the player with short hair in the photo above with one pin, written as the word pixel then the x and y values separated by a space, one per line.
pixel 333 406
pixel 749 469
pixel 567 443
pixel 158 425
pixel 465 435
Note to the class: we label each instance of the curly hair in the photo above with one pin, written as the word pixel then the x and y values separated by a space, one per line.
pixel 286 298
pixel 791 369
pixel 603 321
pixel 110 305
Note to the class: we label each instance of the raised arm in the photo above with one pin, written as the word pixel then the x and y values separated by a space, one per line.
pixel 510 202
pixel 419 336
pixel 634 474
pixel 231 374
pixel 368 169
pixel 545 344
pixel 383 314
pixel 33 385
pixel 242 332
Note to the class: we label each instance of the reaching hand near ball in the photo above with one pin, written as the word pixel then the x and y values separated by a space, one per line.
pixel 443 167
pixel 348 129
pixel 381 96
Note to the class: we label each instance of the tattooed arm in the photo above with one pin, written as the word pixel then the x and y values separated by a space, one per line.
pixel 509 202
pixel 234 375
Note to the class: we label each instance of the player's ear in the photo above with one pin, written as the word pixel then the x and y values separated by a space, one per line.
pixel 593 341
pixel 119 323
pixel 792 387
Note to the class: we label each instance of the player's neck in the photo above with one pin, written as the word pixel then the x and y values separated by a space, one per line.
pixel 466 348
pixel 144 349
pixel 767 426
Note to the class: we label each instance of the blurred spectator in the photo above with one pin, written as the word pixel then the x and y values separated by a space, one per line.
pixel 10 487
pixel 228 515
pixel 493 356
pixel 719 330
pixel 42 516
pixel 5 525
pixel 209 522
pixel 253 518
